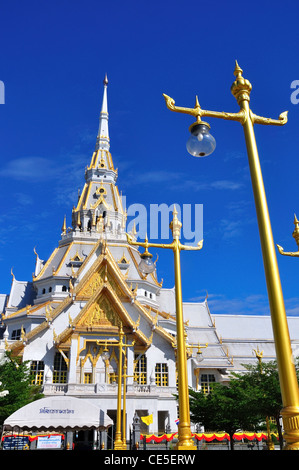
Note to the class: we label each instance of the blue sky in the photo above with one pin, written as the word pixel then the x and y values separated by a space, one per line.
pixel 53 59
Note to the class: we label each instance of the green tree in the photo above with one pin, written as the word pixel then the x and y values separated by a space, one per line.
pixel 244 403
pixel 227 408
pixel 263 381
pixel 16 379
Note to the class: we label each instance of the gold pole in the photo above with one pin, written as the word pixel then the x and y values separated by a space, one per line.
pixel 118 442
pixel 124 405
pixel 184 432
pixel 185 441
pixel 287 373
pixel 259 355
pixel 241 89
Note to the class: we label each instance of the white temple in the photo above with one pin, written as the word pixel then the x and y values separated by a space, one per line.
pixel 67 318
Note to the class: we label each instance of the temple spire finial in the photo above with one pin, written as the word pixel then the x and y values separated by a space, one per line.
pixel 103 133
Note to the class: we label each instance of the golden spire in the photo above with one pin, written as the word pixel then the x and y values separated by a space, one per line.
pixel 63 228
pixel 241 87
pixel 175 224
pixel 238 71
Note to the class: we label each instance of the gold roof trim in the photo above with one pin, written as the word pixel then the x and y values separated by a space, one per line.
pixel 46 265
pixel 44 325
pixel 93 311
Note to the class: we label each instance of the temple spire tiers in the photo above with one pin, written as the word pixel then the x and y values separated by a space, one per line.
pixel 98 219
pixel 101 165
pixel 99 212
pixel 103 133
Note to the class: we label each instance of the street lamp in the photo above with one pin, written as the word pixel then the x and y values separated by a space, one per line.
pixel 118 442
pixel 146 265
pixel 198 355
pixel 200 143
pixel 184 432
pixel 259 356
pixel 241 89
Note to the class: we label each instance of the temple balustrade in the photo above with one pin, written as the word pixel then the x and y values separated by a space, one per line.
pixel 78 389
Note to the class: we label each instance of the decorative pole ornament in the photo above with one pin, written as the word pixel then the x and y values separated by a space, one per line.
pixel 241 89
pixel 296 237
pixel 185 441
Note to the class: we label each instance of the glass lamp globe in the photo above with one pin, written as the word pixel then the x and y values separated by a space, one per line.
pixel 200 143
pixel 199 356
pixel 146 264
pixel 105 354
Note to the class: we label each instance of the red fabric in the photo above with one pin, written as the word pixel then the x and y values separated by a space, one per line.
pixel 207 436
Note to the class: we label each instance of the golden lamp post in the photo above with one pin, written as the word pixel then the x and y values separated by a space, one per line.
pixel 259 356
pixel 147 266
pixel 125 376
pixel 201 144
pixel 119 443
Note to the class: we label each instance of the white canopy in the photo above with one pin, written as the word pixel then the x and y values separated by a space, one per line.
pixel 59 413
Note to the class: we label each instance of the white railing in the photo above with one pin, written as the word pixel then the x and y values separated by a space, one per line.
pixel 102 389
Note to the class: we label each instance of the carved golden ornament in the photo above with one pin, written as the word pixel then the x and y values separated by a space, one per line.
pixel 136 324
pixel 76 257
pixel 55 337
pixel 101 190
pixel 241 87
pixel 296 237
pixel 96 282
pixel 100 314
pixel 259 354
pixel 48 314
pixel 290 418
pixel 101 200
pixel 96 317
pixel 23 335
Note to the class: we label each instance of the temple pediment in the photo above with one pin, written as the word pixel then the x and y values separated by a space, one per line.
pixel 102 273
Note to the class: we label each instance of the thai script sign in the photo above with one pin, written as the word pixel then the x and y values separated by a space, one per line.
pixel 56 410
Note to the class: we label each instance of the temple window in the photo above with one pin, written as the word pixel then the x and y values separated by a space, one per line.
pixel 37 372
pixel 87 377
pixel 140 369
pixel 161 375
pixel 16 334
pixel 206 382
pixel 59 369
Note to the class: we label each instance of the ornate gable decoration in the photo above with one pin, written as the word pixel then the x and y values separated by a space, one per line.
pixel 97 280
pixel 100 314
